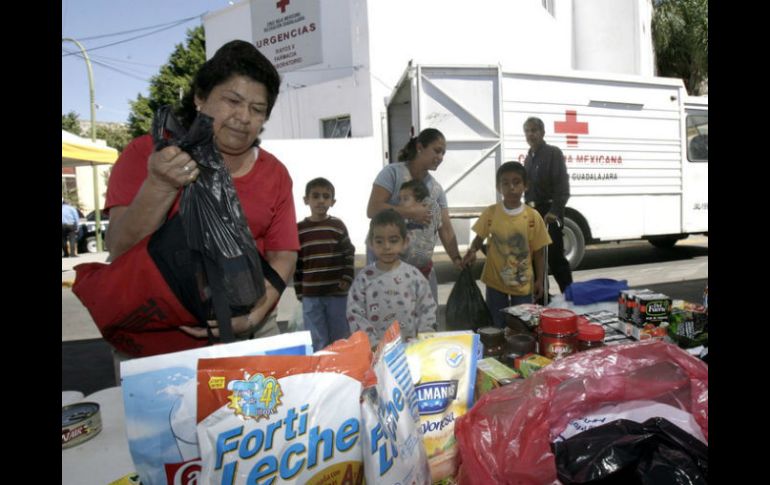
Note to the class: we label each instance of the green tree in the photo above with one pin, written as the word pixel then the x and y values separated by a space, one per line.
pixel 116 136
pixel 169 85
pixel 71 123
pixel 680 36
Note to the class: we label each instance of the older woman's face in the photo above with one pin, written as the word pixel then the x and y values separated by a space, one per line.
pixel 239 109
pixel 432 155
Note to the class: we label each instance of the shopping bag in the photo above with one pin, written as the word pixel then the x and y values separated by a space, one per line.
pixel 465 307
pixel 508 435
pixel 201 264
pixel 654 452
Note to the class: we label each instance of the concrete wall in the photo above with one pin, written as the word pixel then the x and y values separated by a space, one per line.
pixel 367 45
pixel 230 23
pixel 346 163
pixel 85 182
pixel 613 36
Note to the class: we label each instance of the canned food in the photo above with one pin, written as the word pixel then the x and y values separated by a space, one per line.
pixel 79 422
pixel 493 340
pixel 590 336
pixel 558 333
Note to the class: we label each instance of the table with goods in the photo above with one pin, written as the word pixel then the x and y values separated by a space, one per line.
pixel 554 397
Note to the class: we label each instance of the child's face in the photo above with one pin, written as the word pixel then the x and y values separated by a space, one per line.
pixel 319 200
pixel 511 187
pixel 406 197
pixel 387 243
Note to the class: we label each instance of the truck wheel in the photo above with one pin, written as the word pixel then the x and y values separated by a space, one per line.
pixel 574 243
pixel 91 244
pixel 663 242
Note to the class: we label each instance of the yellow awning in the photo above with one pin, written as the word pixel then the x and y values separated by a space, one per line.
pixel 81 151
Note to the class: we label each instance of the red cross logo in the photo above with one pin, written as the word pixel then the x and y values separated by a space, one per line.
pixel 282 4
pixel 571 127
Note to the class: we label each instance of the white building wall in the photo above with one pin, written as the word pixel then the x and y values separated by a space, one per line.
pixel 222 26
pixel 84 179
pixel 346 163
pixel 613 36
pixel 367 45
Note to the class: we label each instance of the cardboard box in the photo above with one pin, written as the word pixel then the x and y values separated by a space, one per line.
pixel 646 332
pixel 626 302
pixel 530 363
pixel 491 374
pixel 651 308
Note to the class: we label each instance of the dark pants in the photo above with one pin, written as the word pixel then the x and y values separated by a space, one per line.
pixel 557 263
pixel 69 232
pixel 497 300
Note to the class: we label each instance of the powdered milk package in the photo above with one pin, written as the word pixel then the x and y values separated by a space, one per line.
pixel 280 419
pixel 393 448
pixel 443 367
pixel 159 396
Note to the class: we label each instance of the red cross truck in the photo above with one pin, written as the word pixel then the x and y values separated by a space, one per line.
pixel 636 148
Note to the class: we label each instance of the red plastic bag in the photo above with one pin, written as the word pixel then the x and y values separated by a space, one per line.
pixel 506 437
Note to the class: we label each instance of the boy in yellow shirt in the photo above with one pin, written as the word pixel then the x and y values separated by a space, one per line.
pixel 513 271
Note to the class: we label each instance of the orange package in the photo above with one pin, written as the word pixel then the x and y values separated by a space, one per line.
pixel 284 419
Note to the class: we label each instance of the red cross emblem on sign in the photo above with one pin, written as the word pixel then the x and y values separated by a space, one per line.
pixel 572 128
pixel 282 4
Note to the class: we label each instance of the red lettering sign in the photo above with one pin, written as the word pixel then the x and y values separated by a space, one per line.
pixel 282 4
pixel 571 127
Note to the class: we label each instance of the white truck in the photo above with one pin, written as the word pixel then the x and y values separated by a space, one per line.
pixel 636 148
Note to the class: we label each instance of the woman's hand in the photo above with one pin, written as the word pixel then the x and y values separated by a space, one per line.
pixel 171 168
pixel 240 326
pixel 283 262
pixel 378 201
pixel 419 213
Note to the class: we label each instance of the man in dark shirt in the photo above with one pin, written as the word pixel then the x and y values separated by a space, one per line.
pixel 547 192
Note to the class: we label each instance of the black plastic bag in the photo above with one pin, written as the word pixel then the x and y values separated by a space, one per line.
pixel 222 253
pixel 655 452
pixel 465 307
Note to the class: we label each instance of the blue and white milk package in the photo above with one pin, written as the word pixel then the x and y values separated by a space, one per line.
pixel 394 452
pixel 159 396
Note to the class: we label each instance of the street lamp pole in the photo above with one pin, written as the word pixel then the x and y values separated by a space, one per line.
pixel 93 139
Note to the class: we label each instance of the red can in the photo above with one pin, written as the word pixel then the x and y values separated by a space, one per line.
pixel 558 333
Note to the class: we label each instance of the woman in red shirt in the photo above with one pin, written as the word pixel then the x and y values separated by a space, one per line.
pixel 238 88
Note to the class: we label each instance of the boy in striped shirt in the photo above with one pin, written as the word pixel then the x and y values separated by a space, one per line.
pixel 324 267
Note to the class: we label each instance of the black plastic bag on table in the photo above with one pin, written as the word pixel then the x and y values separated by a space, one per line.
pixel 465 307
pixel 655 452
pixel 229 270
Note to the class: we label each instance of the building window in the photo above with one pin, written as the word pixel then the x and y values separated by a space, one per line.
pixel 697 136
pixel 338 127
pixel 548 5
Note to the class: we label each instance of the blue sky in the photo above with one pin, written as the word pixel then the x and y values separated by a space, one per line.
pixel 137 60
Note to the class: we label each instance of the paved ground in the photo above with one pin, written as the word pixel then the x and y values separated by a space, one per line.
pixel 77 323
pixel 87 361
